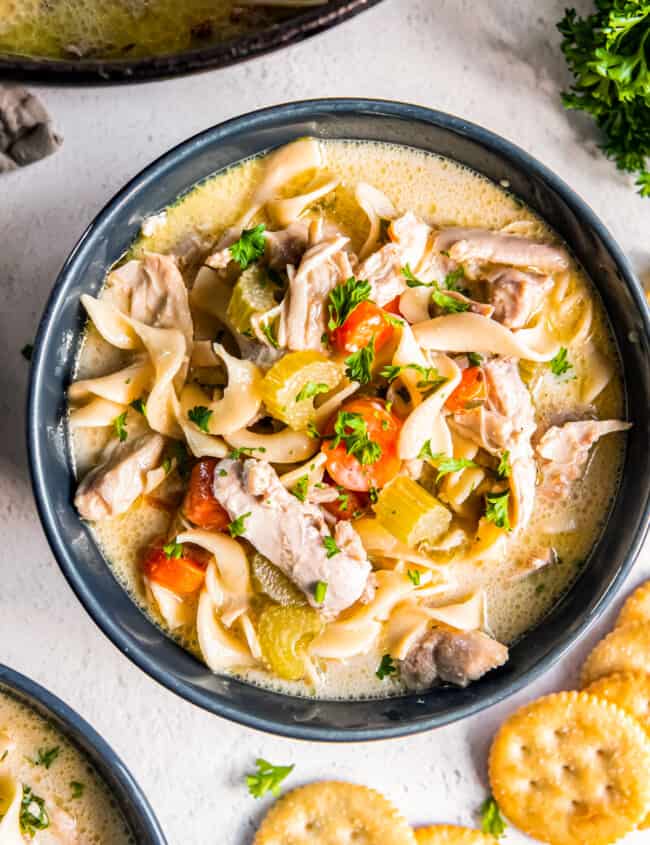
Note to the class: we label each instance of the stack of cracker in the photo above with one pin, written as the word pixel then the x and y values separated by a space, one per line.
pixel 332 813
pixel 574 768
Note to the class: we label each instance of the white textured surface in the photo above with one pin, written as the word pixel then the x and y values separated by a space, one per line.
pixel 496 63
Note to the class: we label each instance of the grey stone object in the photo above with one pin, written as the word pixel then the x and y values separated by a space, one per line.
pixel 26 132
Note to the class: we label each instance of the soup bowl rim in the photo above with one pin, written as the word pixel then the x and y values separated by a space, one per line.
pixel 128 645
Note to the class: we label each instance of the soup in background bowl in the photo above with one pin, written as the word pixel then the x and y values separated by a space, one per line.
pixel 457 386
pixel 59 782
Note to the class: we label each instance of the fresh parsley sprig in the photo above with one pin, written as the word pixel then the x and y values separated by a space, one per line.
pixel 250 246
pixel 496 509
pixel 237 527
pixel 268 778
pixel 386 667
pixel 351 430
pixel 492 822
pixel 200 416
pixel 311 389
pixel 344 298
pixel 444 463
pixel 358 366
pixel 560 364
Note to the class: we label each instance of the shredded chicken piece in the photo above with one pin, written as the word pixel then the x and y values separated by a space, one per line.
pixel 383 268
pixel 113 486
pixel 292 534
pixel 322 268
pixel 152 291
pixel 516 296
pixel 456 657
pixel 564 452
pixel 485 247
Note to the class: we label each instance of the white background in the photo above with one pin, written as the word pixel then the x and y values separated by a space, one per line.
pixel 495 63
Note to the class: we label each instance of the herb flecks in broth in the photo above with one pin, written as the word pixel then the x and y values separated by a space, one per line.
pixel 372 424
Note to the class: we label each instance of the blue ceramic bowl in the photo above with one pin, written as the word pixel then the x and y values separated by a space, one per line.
pixel 60 330
pixel 126 792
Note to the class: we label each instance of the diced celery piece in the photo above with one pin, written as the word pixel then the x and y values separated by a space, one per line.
pixel 285 634
pixel 410 512
pixel 271 581
pixel 253 294
pixel 291 385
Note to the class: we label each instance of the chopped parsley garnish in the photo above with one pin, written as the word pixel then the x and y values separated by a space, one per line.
pixel 267 779
pixel 344 298
pixel 140 406
pixel 343 499
pixel 236 528
pixel 33 815
pixel 392 320
pixel 76 788
pixel 300 488
pixel 267 331
pixel 331 548
pixel 386 667
pixel 414 576
pixel 560 365
pixel 250 246
pixel 200 416
pixel 119 427
pixel 351 430
pixel 222 473
pixel 412 281
pixel 358 366
pixel 313 431
pixel 311 389
pixel 27 351
pixel 173 549
pixel 449 304
pixel 235 454
pixel 496 509
pixel 320 591
pixel 430 377
pixel 503 470
pixel 475 359
pixel 46 756
pixel 176 451
pixel 443 463
pixel 492 822
pixel 373 495
pixel 452 279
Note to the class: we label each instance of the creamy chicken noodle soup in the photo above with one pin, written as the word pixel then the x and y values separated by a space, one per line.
pixel 49 793
pixel 347 420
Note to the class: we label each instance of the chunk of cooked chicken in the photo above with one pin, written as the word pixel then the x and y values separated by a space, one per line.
pixel 409 244
pixel 515 295
pixel 506 423
pixel 456 657
pixel 292 534
pixel 564 452
pixel 112 486
pixel 152 290
pixel 485 247
pixel 322 268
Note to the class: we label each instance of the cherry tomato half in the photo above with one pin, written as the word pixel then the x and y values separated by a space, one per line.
pixel 365 323
pixel 472 388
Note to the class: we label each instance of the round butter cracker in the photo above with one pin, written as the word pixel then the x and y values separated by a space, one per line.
pixel 624 649
pixel 571 769
pixel 446 834
pixel 637 606
pixel 330 813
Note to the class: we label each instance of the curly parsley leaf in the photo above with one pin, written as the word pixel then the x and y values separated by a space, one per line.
pixel 300 488
pixel 430 377
pixel 358 366
pixel 331 548
pixel 496 509
pixel 311 389
pixel 412 281
pixel 119 427
pixel 492 822
pixel 268 778
pixel 200 416
pixel 344 298
pixel 443 463
pixel 503 470
pixel 607 53
pixel 351 430
pixel 33 815
pixel 386 667
pixel 237 527
pixel 173 549
pixel 140 406
pixel 475 359
pixel 250 246
pixel 236 454
pixel 560 365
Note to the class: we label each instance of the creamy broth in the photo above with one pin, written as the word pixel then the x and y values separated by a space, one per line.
pixel 78 804
pixel 443 193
